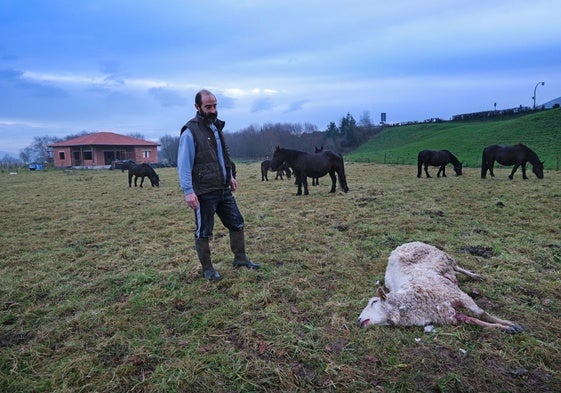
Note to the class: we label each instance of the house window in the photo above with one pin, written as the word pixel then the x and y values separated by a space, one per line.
pixel 61 155
pixel 88 156
pixel 146 153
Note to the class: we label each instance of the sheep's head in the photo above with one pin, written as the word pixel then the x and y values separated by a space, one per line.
pixel 375 312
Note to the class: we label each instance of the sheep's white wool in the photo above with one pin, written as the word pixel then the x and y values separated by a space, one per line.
pixel 423 289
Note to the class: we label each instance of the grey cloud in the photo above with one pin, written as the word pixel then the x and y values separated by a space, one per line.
pixel 167 97
pixel 296 106
pixel 262 104
pixel 13 80
pixel 225 102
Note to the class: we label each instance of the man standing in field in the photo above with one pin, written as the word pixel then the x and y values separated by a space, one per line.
pixel 205 176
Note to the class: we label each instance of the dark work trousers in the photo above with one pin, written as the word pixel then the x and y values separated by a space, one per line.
pixel 221 203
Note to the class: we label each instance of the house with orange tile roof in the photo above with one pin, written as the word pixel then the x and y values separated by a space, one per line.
pixel 100 149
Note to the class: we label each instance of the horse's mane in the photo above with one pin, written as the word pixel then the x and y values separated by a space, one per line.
pixel 291 153
pixel 149 168
pixel 533 157
pixel 454 159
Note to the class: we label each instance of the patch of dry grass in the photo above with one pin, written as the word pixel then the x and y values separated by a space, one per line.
pixel 100 287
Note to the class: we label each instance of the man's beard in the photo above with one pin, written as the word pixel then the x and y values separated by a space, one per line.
pixel 209 117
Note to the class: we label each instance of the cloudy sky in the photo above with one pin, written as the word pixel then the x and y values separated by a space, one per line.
pixel 134 66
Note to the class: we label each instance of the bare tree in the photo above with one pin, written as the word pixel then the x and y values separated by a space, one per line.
pixel 26 154
pixel 77 135
pixel 169 146
pixel 136 135
pixel 39 149
pixel 365 120
pixel 9 162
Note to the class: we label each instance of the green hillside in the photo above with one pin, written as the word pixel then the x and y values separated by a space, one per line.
pixel 540 131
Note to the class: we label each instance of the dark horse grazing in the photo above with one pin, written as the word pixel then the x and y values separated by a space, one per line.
pixel 517 155
pixel 313 165
pixel 283 170
pixel 142 171
pixel 437 158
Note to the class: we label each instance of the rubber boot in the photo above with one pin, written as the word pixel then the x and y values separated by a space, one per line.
pixel 203 251
pixel 237 244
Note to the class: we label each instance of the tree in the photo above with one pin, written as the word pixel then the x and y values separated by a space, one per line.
pixel 136 135
pixel 365 120
pixel 169 146
pixel 9 162
pixel 72 136
pixel 25 154
pixel 309 127
pixel 39 149
pixel 332 131
pixel 348 130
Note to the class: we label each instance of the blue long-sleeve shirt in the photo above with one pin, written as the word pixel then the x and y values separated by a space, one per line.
pixel 186 159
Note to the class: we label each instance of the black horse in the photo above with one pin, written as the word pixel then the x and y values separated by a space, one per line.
pixel 315 180
pixel 283 170
pixel 142 171
pixel 313 165
pixel 517 155
pixel 437 158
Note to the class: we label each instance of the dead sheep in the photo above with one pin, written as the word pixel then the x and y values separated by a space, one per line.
pixel 423 290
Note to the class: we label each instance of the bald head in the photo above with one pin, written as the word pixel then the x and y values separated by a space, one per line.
pixel 202 93
pixel 205 103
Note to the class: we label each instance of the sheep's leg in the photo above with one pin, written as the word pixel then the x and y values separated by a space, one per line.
pixel 468 273
pixel 451 277
pixel 512 327
pixel 485 319
pixel 508 326
pixel 461 317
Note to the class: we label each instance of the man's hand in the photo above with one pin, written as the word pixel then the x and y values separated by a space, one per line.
pixel 233 184
pixel 192 200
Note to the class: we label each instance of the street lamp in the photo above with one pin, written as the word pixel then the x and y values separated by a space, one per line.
pixel 534 97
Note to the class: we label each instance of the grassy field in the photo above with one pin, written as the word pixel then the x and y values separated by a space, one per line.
pixel 540 131
pixel 101 289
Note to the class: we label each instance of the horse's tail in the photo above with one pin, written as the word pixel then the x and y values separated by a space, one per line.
pixel 484 163
pixel 342 177
pixel 419 164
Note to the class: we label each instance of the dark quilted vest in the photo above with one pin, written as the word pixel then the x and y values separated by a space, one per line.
pixel 207 175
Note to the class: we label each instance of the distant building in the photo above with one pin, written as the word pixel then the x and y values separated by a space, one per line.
pixel 101 149
pixel 553 103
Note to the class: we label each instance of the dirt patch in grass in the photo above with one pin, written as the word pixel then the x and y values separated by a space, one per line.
pixel 479 251
pixel 444 369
